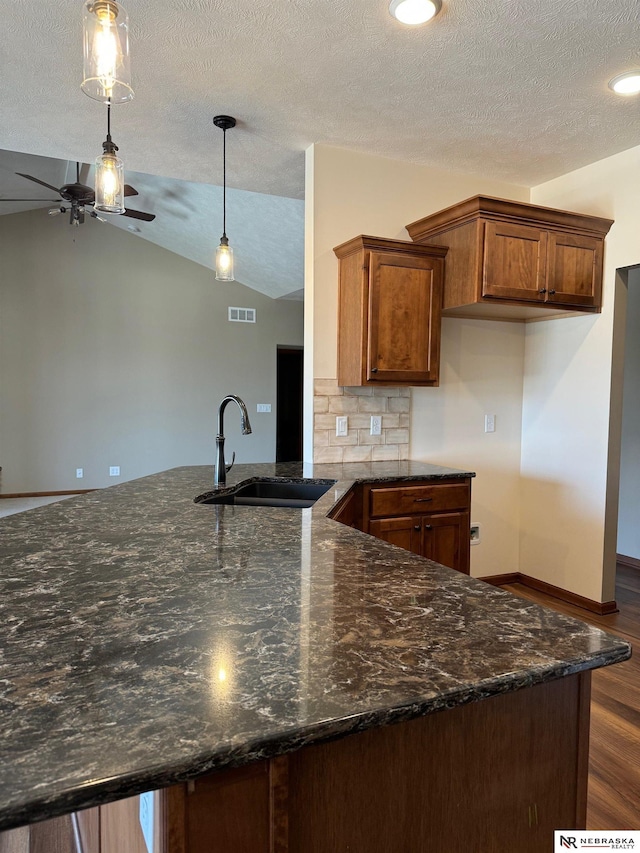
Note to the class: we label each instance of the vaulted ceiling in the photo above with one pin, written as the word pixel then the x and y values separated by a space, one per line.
pixel 267 230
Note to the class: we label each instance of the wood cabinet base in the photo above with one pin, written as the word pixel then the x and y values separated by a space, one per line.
pixel 499 774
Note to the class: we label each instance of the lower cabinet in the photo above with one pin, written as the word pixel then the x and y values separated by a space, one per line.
pixel 495 775
pixel 442 537
pixel 430 519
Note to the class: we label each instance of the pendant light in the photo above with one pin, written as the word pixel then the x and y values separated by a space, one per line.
pixel 224 252
pixel 107 70
pixel 109 186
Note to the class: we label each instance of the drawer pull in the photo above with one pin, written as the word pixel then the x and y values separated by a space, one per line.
pixel 428 527
pixel 416 527
pixel 422 500
pixel 552 293
pixel 374 369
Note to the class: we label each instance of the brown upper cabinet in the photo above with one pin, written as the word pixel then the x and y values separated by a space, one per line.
pixel 389 306
pixel 511 260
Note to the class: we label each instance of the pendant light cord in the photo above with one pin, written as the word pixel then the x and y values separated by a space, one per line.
pixel 108 121
pixel 224 182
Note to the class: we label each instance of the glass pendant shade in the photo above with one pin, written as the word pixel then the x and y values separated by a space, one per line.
pixel 224 261
pixel 109 187
pixel 107 68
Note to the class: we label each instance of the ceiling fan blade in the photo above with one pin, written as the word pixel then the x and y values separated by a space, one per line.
pixel 129 190
pixel 38 181
pixel 138 214
pixel 48 200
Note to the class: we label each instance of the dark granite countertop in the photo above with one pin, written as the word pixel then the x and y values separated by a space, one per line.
pixel 145 639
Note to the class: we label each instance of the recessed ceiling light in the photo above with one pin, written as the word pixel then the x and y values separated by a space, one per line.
pixel 414 12
pixel 626 84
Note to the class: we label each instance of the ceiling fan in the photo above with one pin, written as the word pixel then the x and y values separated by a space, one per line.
pixel 74 198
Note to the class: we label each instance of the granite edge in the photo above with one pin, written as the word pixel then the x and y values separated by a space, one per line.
pixel 119 787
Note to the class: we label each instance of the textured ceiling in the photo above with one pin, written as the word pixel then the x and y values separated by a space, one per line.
pixel 266 231
pixel 516 89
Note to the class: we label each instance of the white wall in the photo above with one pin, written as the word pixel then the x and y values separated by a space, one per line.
pixel 482 362
pixel 629 503
pixel 481 372
pixel 114 351
pixel 569 453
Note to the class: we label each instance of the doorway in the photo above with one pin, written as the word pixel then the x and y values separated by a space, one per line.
pixel 289 404
pixel 628 534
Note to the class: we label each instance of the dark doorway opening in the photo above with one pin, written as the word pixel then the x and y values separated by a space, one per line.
pixel 289 403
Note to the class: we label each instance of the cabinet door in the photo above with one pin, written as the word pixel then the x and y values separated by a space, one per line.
pixel 574 269
pixel 404 532
pixel 446 539
pixel 514 262
pixel 405 296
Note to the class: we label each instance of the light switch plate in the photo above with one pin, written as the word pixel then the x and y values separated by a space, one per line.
pixel 489 423
pixel 342 425
pixel 263 407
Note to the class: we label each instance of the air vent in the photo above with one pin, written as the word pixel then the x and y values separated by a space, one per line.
pixel 242 315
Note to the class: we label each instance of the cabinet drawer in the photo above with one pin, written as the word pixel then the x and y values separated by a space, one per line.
pixel 419 499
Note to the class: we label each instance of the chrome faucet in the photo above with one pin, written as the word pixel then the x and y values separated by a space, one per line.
pixel 220 472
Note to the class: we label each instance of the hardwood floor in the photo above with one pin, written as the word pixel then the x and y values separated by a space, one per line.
pixel 614 760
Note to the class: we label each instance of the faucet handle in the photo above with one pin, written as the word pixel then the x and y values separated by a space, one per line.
pixel 230 465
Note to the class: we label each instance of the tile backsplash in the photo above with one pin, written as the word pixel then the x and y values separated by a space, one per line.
pixel 330 400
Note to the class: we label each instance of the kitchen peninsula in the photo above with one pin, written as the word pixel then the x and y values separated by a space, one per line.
pixel 148 641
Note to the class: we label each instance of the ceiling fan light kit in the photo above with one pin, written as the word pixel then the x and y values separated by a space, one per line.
pixel 107 68
pixel 224 252
pixel 76 197
pixel 414 12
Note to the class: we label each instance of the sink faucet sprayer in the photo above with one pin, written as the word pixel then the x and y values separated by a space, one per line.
pixel 220 472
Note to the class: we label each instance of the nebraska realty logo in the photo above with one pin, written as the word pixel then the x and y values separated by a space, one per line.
pixel 593 839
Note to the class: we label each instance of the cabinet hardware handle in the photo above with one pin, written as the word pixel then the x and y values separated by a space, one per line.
pixel 551 292
pixel 422 500
pixel 428 527
pixel 542 290
pixel 416 527
pixel 374 369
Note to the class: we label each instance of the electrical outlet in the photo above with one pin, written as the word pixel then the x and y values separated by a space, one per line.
pixel 263 407
pixel 475 533
pixel 342 425
pixel 489 423
pixel 114 471
pixel 79 473
pixel 376 425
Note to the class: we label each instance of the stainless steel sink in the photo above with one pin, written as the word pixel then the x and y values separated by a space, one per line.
pixel 260 491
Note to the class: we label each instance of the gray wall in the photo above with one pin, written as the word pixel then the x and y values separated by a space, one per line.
pixel 116 352
pixel 629 503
